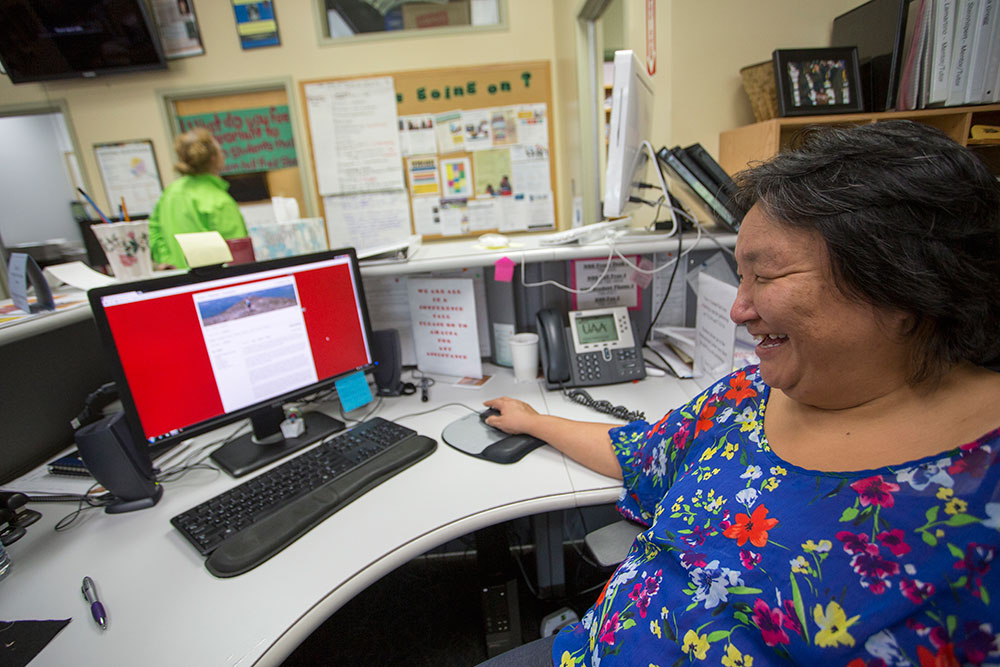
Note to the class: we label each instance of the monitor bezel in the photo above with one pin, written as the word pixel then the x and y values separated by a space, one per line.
pixel 204 275
pixel 632 100
pixel 17 76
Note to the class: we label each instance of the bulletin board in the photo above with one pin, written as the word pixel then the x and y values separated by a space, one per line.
pixel 475 151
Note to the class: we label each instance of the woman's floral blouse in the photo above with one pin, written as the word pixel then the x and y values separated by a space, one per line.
pixel 752 561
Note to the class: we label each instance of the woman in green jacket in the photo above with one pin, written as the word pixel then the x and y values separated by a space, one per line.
pixel 198 201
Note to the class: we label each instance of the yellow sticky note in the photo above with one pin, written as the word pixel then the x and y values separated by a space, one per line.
pixel 204 248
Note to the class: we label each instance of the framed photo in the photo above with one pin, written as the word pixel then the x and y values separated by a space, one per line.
pixel 812 82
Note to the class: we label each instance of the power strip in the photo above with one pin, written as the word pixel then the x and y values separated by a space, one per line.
pixel 502 617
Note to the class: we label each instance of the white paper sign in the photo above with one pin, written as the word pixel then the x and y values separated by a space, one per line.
pixel 445 335
pixel 715 333
pixel 615 288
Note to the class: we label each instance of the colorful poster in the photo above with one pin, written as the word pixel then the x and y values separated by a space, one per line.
pixel 456 178
pixel 252 139
pixel 423 173
pixel 256 23
pixel 449 131
pixel 492 169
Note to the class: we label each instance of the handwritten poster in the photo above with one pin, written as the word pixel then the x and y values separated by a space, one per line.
pixel 445 334
pixel 251 139
pixel 355 136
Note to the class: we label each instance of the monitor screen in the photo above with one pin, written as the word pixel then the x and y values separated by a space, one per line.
pixel 631 124
pixel 193 352
pixel 877 28
pixel 61 39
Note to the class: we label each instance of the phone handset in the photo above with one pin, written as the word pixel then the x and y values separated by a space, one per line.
pixel 552 347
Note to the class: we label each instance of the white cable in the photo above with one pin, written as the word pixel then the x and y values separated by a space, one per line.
pixel 571 290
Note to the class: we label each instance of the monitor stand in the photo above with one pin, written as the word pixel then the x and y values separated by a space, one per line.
pixel 266 444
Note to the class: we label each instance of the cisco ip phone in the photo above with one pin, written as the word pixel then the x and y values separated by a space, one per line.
pixel 598 347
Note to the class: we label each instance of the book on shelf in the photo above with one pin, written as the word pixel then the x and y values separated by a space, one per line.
pixel 696 188
pixel 983 38
pixel 958 75
pixel 943 37
pixel 913 77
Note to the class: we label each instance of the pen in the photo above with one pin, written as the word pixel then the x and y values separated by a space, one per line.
pixel 125 211
pixel 91 202
pixel 96 608
pixel 424 384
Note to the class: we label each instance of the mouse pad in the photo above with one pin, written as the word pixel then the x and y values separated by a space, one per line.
pixel 471 436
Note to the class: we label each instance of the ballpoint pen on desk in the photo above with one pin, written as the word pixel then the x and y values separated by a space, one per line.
pixel 91 202
pixel 96 608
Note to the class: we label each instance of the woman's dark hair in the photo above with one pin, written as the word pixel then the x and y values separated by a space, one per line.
pixel 912 222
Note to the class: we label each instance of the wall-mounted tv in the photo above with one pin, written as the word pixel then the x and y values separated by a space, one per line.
pixel 62 39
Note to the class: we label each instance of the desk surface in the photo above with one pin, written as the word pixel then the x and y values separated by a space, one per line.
pixel 165 608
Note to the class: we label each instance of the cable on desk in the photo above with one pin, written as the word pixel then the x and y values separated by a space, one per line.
pixel 606 407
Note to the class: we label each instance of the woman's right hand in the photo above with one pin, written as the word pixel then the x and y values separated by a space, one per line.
pixel 515 416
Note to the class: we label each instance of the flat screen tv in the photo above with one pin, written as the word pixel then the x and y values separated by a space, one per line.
pixel 41 40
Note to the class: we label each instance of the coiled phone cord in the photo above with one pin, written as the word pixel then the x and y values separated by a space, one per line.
pixel 620 411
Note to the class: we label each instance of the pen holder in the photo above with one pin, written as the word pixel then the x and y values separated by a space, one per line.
pixel 126 245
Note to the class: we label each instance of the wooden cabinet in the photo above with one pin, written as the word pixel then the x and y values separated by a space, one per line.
pixel 759 141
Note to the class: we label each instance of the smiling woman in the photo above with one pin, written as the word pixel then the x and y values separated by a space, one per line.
pixel 838 503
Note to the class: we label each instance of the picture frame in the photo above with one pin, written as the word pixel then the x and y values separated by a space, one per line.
pixel 813 82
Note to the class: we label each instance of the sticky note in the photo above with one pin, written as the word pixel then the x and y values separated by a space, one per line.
pixel 204 248
pixel 503 270
pixel 353 391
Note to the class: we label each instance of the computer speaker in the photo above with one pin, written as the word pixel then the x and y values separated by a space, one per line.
pixel 388 356
pixel 119 463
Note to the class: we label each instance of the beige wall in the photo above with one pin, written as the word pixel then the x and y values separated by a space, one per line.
pixel 700 48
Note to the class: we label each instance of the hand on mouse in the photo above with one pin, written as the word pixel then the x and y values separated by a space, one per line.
pixel 515 416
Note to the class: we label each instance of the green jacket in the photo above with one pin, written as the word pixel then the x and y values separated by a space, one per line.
pixel 198 203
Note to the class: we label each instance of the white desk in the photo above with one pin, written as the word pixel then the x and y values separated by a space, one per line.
pixel 165 608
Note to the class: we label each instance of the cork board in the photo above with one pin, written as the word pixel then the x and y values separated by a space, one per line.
pixel 476 91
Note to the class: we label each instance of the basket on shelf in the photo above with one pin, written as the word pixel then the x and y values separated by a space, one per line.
pixel 758 81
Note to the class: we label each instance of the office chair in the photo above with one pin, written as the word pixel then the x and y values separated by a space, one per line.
pixel 609 545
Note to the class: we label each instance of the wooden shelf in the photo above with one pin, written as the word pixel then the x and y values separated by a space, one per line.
pixel 742 145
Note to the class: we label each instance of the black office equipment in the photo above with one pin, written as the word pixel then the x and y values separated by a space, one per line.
pixel 194 352
pixel 121 464
pixel 878 29
pixel 246 525
pixel 597 348
pixel 40 41
pixel 388 355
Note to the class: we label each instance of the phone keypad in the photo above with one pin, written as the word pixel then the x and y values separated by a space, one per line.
pixel 617 365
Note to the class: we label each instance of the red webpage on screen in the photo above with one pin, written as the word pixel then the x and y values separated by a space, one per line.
pixel 193 355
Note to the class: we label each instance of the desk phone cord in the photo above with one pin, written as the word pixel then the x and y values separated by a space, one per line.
pixel 620 411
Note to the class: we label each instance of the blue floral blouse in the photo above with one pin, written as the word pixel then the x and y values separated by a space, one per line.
pixel 749 560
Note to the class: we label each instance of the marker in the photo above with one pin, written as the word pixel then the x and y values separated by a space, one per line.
pixel 91 202
pixel 96 608
pixel 125 212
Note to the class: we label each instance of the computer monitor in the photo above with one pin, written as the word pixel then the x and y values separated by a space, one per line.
pixel 631 125
pixel 194 352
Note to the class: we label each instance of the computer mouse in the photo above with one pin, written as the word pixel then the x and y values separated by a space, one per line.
pixel 511 449
pixel 488 412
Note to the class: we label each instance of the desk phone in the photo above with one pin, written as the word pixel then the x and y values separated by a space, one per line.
pixel 598 347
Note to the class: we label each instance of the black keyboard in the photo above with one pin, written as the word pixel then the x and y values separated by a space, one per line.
pixel 241 528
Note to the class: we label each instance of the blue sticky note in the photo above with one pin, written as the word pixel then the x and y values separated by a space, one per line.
pixel 353 391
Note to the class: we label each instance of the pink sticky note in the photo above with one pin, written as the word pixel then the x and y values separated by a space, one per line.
pixel 503 270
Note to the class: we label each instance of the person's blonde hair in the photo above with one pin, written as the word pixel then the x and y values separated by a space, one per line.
pixel 196 151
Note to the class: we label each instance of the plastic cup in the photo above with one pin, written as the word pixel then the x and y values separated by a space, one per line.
pixel 126 245
pixel 524 354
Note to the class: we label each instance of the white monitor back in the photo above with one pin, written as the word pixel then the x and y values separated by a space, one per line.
pixel 631 124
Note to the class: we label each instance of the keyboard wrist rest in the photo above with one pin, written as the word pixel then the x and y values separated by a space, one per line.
pixel 262 540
